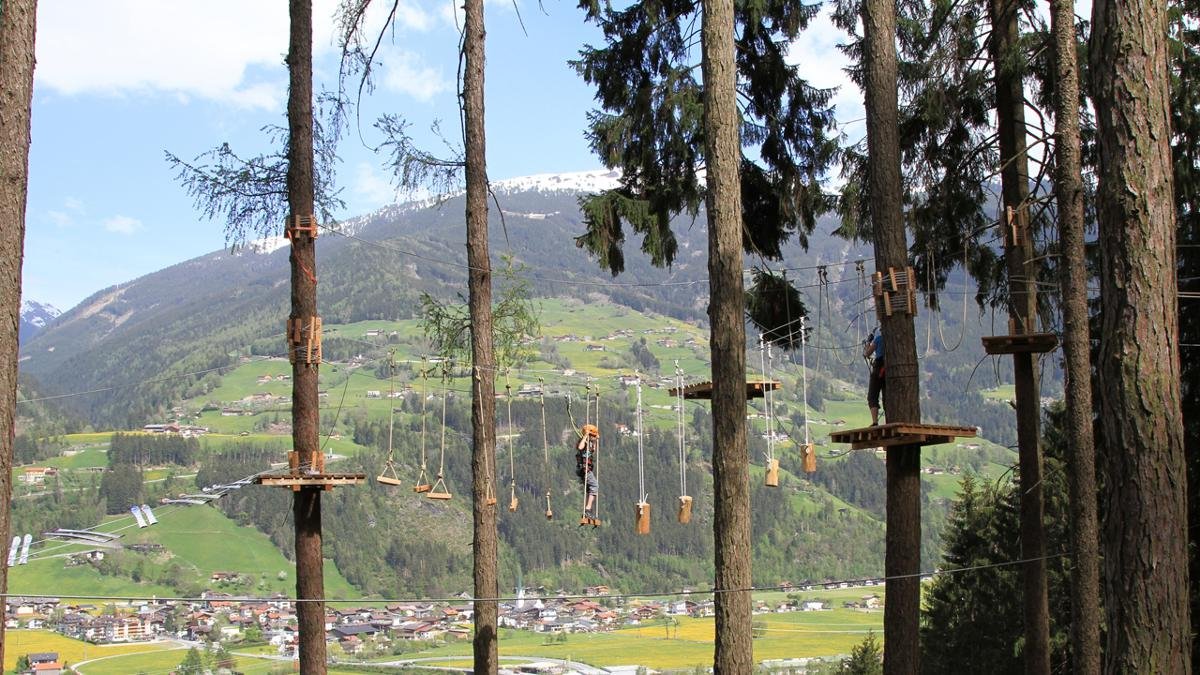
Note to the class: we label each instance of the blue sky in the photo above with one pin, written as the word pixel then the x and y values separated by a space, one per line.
pixel 118 82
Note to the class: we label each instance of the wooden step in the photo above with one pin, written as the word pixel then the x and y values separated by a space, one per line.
pixel 900 433
pixel 1028 343
pixel 325 481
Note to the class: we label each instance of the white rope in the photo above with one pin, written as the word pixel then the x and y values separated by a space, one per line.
pixel 764 351
pixel 680 429
pixel 640 448
pixel 804 373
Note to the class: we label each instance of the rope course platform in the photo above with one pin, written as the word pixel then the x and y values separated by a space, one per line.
pixel 1029 343
pixel 704 390
pixel 325 481
pixel 900 433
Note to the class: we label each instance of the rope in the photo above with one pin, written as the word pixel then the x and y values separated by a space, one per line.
pixel 804 373
pixel 512 465
pixel 423 477
pixel 596 459
pixel 489 490
pixel 640 446
pixel 441 474
pixel 545 445
pixel 764 349
pixel 680 430
pixel 961 334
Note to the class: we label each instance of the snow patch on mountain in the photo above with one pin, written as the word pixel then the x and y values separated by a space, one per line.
pixel 38 313
pixel 596 180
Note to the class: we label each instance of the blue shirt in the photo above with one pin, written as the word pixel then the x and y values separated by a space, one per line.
pixel 879 347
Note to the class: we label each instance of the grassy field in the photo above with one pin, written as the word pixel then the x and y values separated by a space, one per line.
pixel 662 646
pixel 188 533
pixel 17 643
pixel 162 662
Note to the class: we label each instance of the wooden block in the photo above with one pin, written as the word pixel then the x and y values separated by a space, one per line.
pixel 810 458
pixel 387 480
pixel 643 518
pixel 439 495
pixel 685 509
pixel 772 479
pixel 512 504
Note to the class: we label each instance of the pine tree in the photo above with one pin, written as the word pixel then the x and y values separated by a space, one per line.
pixel 650 126
pixel 1145 532
pixel 17 30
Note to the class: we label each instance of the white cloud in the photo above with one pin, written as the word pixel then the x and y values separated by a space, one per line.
pixel 186 49
pixel 59 218
pixel 371 186
pixel 815 52
pixel 122 224
pixel 73 204
pixel 406 73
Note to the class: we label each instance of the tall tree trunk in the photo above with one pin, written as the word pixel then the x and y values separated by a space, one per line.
pixel 17 29
pixel 306 503
pixel 1022 311
pixel 1145 535
pixel 734 651
pixel 483 412
pixel 1081 451
pixel 901 397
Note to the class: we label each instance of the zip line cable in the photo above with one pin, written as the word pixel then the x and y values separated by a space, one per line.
pixel 614 596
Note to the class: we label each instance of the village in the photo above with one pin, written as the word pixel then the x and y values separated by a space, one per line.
pixel 363 630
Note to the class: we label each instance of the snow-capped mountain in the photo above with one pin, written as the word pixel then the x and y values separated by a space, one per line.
pixel 34 317
pixel 578 181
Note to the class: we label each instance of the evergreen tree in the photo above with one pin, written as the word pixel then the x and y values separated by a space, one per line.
pixel 17 30
pixel 1145 526
pixel 651 128
pixel 192 664
pixel 866 658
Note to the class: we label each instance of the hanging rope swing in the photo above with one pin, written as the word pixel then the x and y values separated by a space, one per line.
pixel 439 490
pixel 512 466
pixel 685 501
pixel 808 450
pixel 643 506
pixel 489 459
pixel 422 485
pixel 545 449
pixel 772 478
pixel 389 476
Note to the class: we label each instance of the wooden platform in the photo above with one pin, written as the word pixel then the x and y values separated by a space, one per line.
pixel 1029 343
pixel 325 481
pixel 703 390
pixel 900 433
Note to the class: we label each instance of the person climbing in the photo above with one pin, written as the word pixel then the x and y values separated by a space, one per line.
pixel 873 352
pixel 585 468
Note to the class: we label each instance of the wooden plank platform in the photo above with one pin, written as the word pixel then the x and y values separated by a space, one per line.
pixel 1029 343
pixel 326 481
pixel 703 390
pixel 900 433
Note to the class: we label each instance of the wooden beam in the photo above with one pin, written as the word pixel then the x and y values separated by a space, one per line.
pixel 703 390
pixel 900 433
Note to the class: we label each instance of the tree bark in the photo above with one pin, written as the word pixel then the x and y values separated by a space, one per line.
pixel 734 652
pixel 901 398
pixel 1144 535
pixel 1081 451
pixel 306 503
pixel 1022 311
pixel 17 30
pixel 483 412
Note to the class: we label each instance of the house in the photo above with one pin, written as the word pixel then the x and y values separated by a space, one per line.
pixel 48 668
pixel 594 348
pixel 37 474
pixel 374 393
pixel 813 606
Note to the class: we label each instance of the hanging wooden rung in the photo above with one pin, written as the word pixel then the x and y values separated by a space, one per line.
pixel 594 522
pixel 810 458
pixel 685 509
pixel 512 503
pixel 643 518
pixel 388 476
pixel 772 479
pixel 549 511
pixel 435 493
